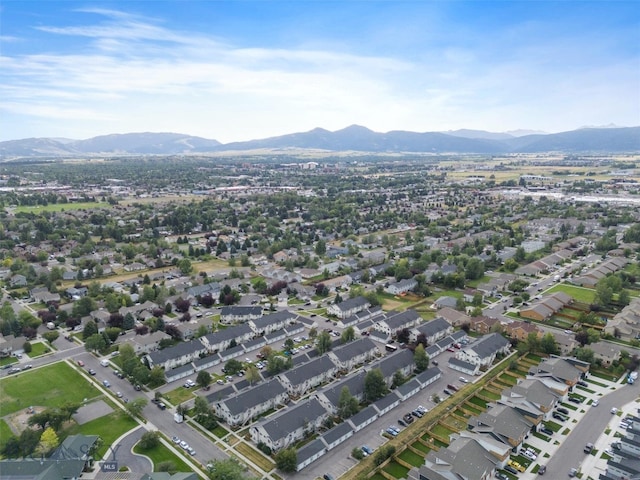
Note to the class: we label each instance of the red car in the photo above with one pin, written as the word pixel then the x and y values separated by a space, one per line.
pixel 81 363
pixel 450 349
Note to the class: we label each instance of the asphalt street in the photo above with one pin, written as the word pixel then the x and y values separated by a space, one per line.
pixel 570 453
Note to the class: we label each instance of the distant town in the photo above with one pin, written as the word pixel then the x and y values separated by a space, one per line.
pixel 320 315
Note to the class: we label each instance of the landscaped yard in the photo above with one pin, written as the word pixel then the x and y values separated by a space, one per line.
pixel 396 470
pixel 412 458
pixel 46 386
pixel 421 446
pixel 8 360
pixel 37 349
pixel 159 454
pixel 109 427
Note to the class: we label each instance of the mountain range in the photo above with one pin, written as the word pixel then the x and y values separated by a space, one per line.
pixel 353 138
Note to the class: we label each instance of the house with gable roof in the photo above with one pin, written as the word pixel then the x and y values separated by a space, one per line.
pixel 303 378
pixel 484 351
pixel 289 425
pixel 240 408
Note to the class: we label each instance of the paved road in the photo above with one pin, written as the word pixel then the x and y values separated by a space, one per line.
pixel 570 453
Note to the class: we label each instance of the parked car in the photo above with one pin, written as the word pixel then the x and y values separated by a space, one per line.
pixel 595 403
pixel 588 447
pixel 367 450
pixel 573 472
pixel 575 400
pixel 80 363
pixel 402 422
pixel 447 392
pixel 106 383
pixel 546 431
pixel 542 470
pixel 558 416
pixel 27 367
pixel 92 371
pixel 175 439
pixel 562 410
pixel 463 380
pixel 510 469
pixel 501 476
pixel 326 476
pixel 582 383
pixel 408 418
pixel 161 406
pixel 417 414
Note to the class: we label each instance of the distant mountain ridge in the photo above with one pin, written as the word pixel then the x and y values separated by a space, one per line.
pixel 353 138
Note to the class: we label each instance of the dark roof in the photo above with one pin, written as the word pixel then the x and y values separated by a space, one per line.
pixel 205 360
pixel 253 396
pixel 275 334
pixel 462 363
pixel 386 401
pixel 291 419
pixel 394 362
pixel 353 349
pixel 177 351
pixel 337 432
pixel 254 344
pixel 310 449
pixel 363 415
pixel 309 370
pixel 221 394
pixel 179 370
pixel 428 374
pixel 352 303
pixel 227 334
pixel 401 319
pixel 277 317
pixel 489 345
pixel 240 310
pixel 355 384
pixel 407 388
pixel 433 327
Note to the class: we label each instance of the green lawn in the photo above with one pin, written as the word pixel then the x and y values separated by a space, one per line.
pixel 579 294
pixel 422 447
pixel 38 349
pixel 479 402
pixel 5 433
pixel 59 207
pixel 412 458
pixel 109 427
pixel 8 360
pixel 179 395
pixel 160 453
pixel 46 386
pixel 396 470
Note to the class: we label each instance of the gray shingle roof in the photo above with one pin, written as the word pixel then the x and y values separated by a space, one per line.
pixel 354 349
pixel 291 419
pixel 309 370
pixel 253 396
pixel 177 351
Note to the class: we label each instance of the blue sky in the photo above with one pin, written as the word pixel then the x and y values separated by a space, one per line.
pixel 241 70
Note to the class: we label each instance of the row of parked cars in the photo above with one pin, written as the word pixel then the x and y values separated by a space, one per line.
pixel 184 445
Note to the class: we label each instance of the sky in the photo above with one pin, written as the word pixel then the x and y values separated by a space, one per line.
pixel 243 70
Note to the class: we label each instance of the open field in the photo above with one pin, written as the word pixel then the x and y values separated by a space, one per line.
pixel 61 207
pixel 5 433
pixel 46 386
pixel 580 294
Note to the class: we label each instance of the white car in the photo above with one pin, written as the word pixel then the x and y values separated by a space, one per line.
pixel 463 380
pixel 595 403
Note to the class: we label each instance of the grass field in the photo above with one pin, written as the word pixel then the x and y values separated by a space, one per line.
pixel 46 386
pixel 579 294
pixel 109 428
pixel 396 470
pixel 160 454
pixel 60 207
